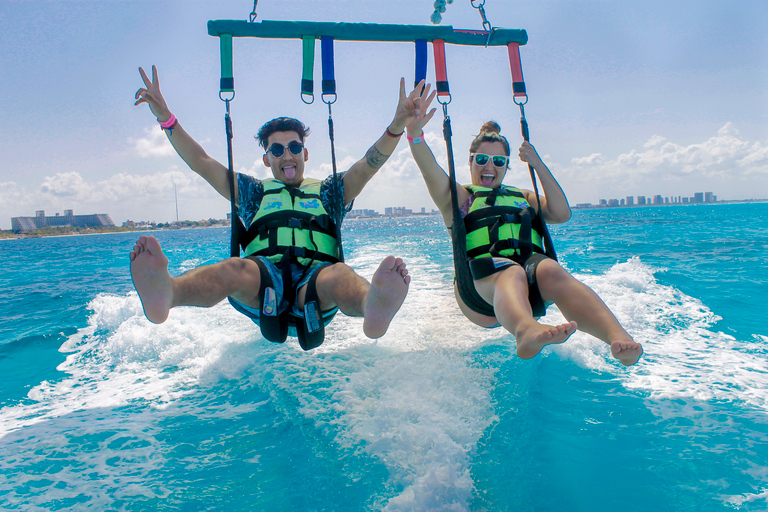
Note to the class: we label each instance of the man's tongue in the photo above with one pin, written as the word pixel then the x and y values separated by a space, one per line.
pixel 487 180
pixel 290 172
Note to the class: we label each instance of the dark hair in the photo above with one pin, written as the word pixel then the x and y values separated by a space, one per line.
pixel 490 132
pixel 281 124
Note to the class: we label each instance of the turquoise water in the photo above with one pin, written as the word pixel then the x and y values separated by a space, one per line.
pixel 101 410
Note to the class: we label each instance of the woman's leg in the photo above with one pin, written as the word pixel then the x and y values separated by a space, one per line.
pixel 581 304
pixel 508 292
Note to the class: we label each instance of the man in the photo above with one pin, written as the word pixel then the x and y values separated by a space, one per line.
pixel 267 284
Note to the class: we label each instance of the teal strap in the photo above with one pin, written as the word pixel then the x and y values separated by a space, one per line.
pixel 307 81
pixel 227 83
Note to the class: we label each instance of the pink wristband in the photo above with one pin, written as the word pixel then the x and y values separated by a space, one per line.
pixel 416 140
pixel 169 124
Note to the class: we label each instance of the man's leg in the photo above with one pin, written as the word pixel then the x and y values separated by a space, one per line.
pixel 377 302
pixel 579 302
pixel 203 286
pixel 508 292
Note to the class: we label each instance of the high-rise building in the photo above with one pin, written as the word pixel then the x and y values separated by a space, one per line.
pixel 69 219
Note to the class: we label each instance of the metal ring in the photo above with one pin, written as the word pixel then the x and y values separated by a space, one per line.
pixel 335 97
pixel 310 95
pixel 226 99
pixel 444 102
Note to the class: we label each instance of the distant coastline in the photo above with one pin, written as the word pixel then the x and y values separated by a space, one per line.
pixel 107 230
pixel 605 206
pixel 68 231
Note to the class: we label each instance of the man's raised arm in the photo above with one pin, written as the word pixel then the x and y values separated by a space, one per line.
pixel 187 148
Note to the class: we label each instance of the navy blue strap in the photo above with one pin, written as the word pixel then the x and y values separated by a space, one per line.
pixel 421 61
pixel 326 51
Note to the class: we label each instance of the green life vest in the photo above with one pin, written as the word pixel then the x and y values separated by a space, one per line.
pixel 499 224
pixel 292 220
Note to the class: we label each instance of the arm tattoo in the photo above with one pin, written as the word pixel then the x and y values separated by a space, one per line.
pixel 375 158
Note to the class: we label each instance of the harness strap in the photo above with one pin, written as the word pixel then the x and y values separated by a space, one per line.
pixel 273 324
pixel 307 80
pixel 311 330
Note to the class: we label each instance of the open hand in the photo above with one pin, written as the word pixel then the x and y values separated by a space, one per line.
pixel 412 106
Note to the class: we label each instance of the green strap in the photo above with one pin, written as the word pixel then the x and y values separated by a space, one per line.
pixel 227 83
pixel 307 82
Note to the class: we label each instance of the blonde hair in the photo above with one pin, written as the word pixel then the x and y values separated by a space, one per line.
pixel 490 132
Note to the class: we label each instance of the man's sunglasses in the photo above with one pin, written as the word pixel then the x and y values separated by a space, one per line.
pixel 498 160
pixel 278 150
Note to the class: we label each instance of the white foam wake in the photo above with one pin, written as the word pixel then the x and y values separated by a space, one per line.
pixel 687 356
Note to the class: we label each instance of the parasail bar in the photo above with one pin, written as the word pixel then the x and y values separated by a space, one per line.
pixel 272 29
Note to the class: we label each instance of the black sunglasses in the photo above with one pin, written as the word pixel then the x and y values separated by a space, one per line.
pixel 278 150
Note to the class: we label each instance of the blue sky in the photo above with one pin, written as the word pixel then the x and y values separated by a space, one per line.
pixel 626 98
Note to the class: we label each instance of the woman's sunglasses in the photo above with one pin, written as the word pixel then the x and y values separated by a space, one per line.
pixel 278 150
pixel 498 160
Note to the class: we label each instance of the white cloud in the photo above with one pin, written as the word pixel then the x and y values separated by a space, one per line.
pixel 10 193
pixel 69 185
pixel 594 158
pixel 153 145
pixel 722 163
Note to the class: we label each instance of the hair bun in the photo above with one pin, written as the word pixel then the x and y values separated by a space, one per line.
pixel 491 127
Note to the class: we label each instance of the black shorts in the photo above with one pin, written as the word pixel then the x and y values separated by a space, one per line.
pixel 484 267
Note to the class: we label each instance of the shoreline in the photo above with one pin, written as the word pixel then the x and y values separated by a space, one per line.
pixel 118 232
pixel 590 207
pixel 733 201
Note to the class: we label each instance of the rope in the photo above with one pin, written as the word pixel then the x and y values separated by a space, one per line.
pixel 464 280
pixel 252 17
pixel 234 241
pixel 338 201
pixel 329 97
pixel 486 24
pixel 549 247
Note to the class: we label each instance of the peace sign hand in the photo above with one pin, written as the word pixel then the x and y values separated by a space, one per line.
pixel 150 94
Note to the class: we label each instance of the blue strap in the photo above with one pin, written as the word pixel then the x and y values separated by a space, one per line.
pixel 421 61
pixel 329 81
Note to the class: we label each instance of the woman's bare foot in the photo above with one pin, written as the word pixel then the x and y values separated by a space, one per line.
pixel 627 351
pixel 530 340
pixel 389 286
pixel 149 271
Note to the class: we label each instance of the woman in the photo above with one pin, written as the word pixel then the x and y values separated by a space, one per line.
pixel 509 270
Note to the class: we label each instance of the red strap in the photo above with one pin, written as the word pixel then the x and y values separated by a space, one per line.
pixel 441 75
pixel 518 84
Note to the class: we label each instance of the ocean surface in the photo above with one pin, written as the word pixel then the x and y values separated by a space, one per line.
pixel 101 410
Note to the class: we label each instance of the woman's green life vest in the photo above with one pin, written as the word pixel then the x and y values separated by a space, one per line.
pixel 498 224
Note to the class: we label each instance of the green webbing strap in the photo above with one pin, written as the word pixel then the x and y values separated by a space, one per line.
pixel 272 29
pixel 307 82
pixel 227 83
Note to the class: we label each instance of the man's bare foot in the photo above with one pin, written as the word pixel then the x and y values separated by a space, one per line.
pixel 628 352
pixel 149 271
pixel 532 339
pixel 389 286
